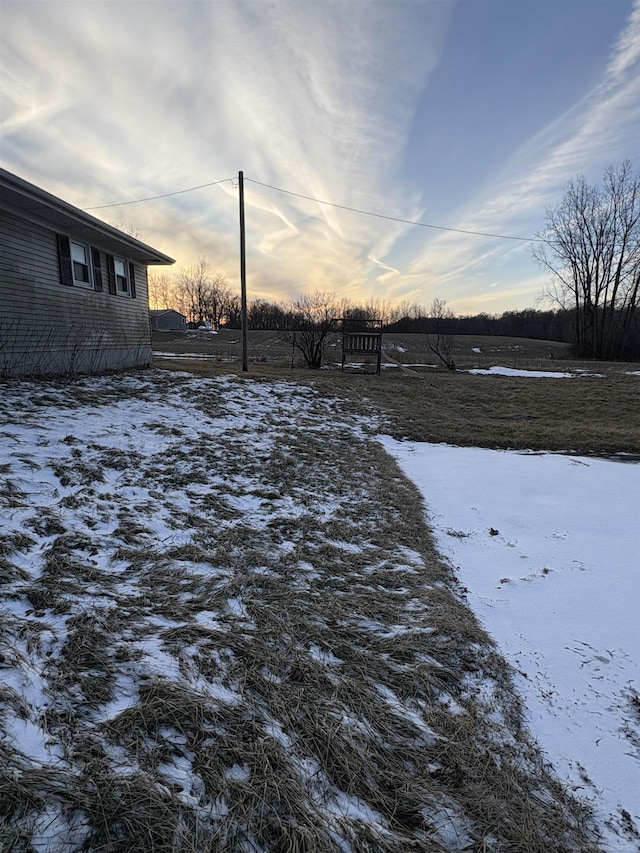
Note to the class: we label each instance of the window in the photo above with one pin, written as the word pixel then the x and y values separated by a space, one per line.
pixel 80 263
pixel 122 279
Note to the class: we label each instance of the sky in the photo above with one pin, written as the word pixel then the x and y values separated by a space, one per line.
pixel 462 114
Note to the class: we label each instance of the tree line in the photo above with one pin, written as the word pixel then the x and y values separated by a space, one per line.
pixel 590 246
pixel 203 296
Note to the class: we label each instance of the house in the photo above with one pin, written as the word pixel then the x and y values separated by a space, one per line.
pixel 73 290
pixel 167 320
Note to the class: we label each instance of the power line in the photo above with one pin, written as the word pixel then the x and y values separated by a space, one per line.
pixel 154 197
pixel 330 204
pixel 397 219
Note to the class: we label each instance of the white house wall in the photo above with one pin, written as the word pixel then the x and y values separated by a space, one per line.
pixel 50 327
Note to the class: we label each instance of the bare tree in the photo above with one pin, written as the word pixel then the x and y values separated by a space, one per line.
pixel 313 318
pixel 191 290
pixel 202 294
pixel 263 314
pixel 233 317
pixel 380 311
pixel 592 247
pixel 218 301
pixel 440 339
pixel 406 316
pixel 160 290
pixel 129 229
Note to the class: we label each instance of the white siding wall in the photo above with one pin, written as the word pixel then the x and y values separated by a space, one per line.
pixel 50 327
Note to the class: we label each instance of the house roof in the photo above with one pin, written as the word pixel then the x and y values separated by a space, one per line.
pixel 156 312
pixel 31 202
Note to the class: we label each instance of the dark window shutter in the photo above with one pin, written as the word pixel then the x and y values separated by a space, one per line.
pixel 132 280
pixel 97 268
pixel 64 259
pixel 111 270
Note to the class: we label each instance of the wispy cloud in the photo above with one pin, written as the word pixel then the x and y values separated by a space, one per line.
pixel 600 130
pixel 316 95
pixel 113 101
pixel 591 135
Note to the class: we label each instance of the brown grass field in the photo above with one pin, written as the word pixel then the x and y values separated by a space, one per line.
pixel 244 636
pixel 594 412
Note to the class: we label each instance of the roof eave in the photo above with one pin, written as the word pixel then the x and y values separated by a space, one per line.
pixel 35 202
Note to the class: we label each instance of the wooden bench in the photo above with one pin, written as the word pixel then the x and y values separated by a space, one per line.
pixel 362 343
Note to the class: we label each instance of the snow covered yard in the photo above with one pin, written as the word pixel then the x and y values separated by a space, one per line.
pixel 224 626
pixel 548 546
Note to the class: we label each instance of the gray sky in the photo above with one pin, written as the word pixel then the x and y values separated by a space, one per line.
pixel 469 115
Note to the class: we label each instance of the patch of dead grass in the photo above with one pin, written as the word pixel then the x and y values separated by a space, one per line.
pixel 306 678
pixel 583 414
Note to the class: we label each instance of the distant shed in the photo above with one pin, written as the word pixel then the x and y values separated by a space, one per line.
pixel 167 320
pixel 73 290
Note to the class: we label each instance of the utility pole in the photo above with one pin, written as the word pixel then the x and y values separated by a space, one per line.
pixel 243 279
